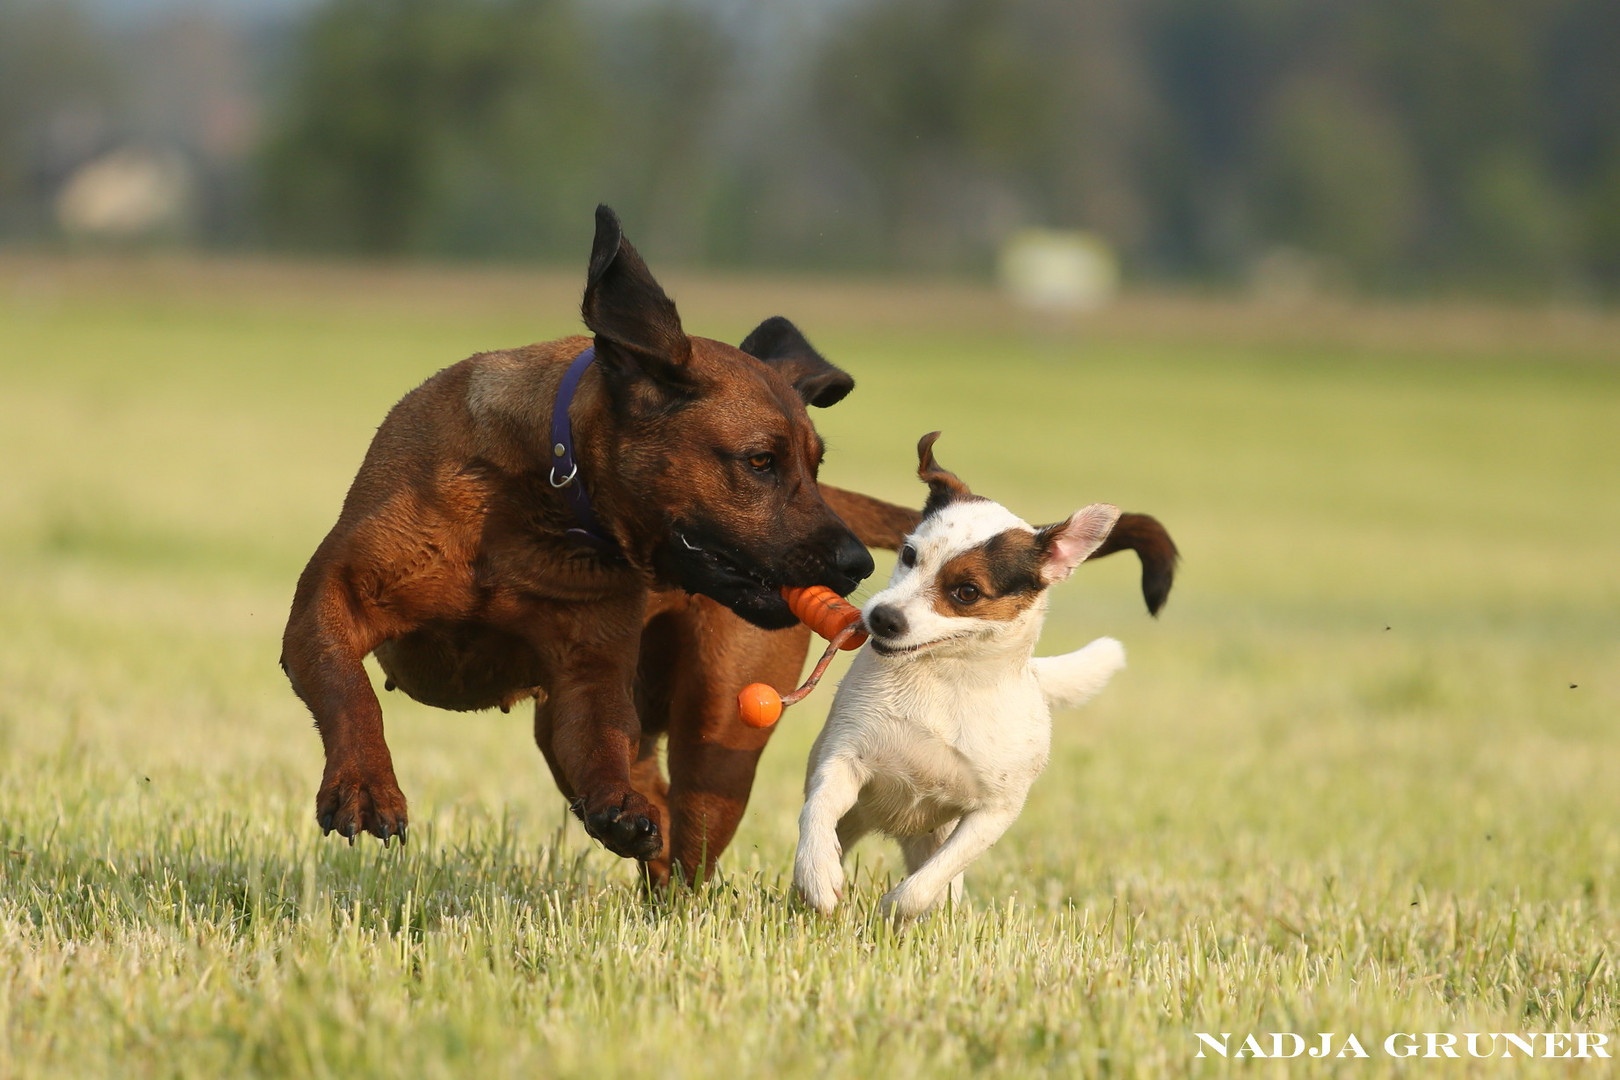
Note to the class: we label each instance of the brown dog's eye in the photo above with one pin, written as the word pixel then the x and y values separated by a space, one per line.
pixel 965 593
pixel 908 556
pixel 761 462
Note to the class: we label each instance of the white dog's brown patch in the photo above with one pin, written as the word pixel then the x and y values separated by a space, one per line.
pixel 997 579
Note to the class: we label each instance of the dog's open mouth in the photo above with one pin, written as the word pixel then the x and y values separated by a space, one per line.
pixel 882 649
pixel 727 565
pixel 701 566
pixel 723 561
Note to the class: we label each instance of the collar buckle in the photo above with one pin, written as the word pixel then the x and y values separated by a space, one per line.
pixel 589 531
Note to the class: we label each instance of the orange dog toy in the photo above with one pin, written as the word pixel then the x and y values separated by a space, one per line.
pixel 829 615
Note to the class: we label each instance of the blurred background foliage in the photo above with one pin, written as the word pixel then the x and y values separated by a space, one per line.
pixel 1393 145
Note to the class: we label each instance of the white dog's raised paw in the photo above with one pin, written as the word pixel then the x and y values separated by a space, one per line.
pixel 819 886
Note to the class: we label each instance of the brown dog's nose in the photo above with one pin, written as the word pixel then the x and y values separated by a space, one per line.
pixel 851 559
pixel 886 621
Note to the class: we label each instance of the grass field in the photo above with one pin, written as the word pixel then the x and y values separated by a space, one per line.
pixel 1360 777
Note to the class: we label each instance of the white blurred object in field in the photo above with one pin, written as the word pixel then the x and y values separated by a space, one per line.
pixel 1059 270
pixel 127 194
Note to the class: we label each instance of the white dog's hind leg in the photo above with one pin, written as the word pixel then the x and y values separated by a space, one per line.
pixel 920 848
pixel 1073 678
pixel 922 891
pixel 818 865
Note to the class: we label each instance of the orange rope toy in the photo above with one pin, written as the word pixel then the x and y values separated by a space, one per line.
pixel 829 615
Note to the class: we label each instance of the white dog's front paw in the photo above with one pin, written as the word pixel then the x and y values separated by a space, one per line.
pixel 906 902
pixel 819 884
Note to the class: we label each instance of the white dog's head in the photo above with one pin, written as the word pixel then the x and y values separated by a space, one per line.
pixel 974 575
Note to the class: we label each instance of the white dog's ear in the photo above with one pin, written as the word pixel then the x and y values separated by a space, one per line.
pixel 944 487
pixel 1067 544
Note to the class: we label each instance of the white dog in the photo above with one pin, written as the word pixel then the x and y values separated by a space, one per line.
pixel 943 722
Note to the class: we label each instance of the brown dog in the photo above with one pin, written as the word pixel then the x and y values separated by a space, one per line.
pixel 464 560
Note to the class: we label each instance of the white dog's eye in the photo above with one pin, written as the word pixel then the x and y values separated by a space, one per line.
pixel 908 556
pixel 965 593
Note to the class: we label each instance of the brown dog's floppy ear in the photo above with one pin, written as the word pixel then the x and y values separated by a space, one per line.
pixel 638 332
pixel 943 486
pixel 780 344
pixel 1070 542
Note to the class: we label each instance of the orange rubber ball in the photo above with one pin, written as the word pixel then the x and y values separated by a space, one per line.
pixel 760 705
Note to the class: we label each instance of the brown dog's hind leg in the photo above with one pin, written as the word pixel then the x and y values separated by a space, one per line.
pixel 647 777
pixel 322 652
pixel 655 689
pixel 588 729
pixel 712 753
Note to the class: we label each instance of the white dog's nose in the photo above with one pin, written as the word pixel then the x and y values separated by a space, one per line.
pixel 886 621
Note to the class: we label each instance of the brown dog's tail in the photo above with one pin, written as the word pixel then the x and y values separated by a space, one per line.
pixel 1152 544
pixel 877 523
pixel 884 525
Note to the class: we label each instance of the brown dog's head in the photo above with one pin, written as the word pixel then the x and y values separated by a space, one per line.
pixel 713 456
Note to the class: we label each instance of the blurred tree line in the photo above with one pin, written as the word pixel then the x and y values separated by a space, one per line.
pixel 77 87
pixel 1395 144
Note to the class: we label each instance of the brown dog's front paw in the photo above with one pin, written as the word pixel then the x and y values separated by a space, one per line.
pixel 626 826
pixel 352 804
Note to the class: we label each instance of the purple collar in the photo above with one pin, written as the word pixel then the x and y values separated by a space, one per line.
pixel 565 467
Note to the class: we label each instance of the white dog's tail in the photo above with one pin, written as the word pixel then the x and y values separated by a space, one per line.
pixel 1074 678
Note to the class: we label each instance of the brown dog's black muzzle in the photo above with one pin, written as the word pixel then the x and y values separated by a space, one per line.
pixel 848 562
pixel 700 558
